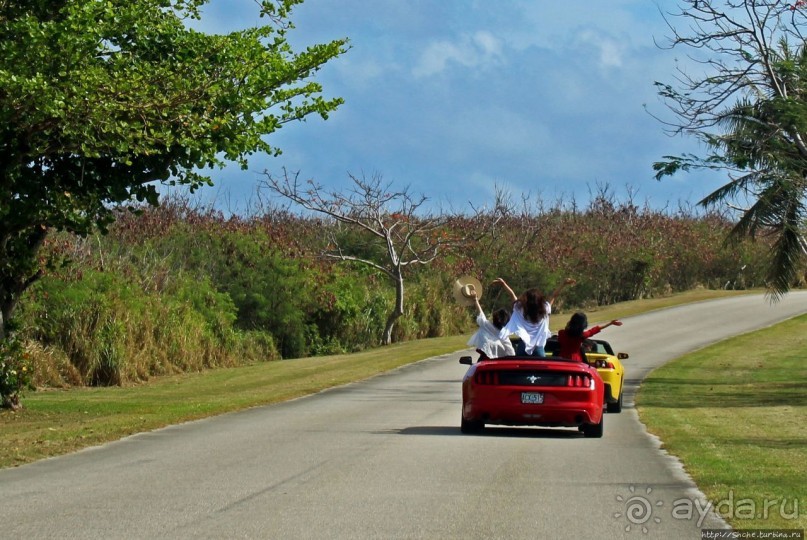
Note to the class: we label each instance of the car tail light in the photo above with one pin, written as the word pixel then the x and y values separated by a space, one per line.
pixel 487 377
pixel 580 381
pixel 609 365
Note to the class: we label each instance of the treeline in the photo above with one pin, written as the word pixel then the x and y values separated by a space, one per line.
pixel 184 288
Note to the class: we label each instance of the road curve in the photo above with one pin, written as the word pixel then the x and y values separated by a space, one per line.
pixel 385 459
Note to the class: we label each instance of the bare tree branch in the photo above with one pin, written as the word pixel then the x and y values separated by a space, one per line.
pixel 748 106
pixel 373 207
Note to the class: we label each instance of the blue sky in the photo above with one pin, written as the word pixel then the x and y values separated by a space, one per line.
pixel 454 97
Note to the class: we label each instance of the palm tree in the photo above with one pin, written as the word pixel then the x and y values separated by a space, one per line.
pixel 765 140
pixel 750 85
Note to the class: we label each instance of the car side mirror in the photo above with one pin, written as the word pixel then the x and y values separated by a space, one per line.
pixel 622 355
pixel 467 360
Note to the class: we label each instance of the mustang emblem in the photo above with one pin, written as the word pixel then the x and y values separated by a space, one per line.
pixel 533 378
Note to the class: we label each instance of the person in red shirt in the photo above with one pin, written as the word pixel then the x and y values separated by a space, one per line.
pixel 571 338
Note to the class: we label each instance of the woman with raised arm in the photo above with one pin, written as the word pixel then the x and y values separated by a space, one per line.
pixel 572 337
pixel 530 318
pixel 488 340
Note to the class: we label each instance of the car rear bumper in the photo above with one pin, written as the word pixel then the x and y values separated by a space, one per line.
pixel 511 412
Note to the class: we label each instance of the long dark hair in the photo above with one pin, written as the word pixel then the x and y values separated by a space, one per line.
pixel 577 324
pixel 533 303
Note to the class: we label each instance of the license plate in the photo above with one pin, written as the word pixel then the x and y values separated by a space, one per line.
pixel 532 397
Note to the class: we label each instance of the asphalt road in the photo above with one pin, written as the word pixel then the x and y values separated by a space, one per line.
pixel 385 459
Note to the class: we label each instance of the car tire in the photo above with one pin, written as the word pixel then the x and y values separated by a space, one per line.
pixel 471 427
pixel 593 431
pixel 617 406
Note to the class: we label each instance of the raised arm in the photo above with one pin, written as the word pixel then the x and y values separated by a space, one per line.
pixel 506 287
pixel 614 322
pixel 475 296
pixel 567 281
pixel 594 330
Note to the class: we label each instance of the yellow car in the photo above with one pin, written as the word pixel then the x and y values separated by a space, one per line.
pixel 601 356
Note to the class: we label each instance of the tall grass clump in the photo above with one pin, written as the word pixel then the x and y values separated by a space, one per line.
pixel 108 323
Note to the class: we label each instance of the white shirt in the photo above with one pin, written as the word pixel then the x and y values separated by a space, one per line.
pixel 490 340
pixel 532 334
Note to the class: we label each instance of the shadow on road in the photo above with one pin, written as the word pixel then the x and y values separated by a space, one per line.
pixel 529 433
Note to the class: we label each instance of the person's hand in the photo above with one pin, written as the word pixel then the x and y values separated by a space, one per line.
pixel 616 323
pixel 472 293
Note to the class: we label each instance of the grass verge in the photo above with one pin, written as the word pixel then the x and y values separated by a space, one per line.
pixel 735 415
pixel 56 422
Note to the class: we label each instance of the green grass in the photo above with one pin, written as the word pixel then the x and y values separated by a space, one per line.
pixel 55 422
pixel 735 415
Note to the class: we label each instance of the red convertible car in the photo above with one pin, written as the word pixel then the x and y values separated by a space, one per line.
pixel 531 391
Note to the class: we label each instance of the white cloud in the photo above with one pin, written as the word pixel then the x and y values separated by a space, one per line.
pixel 490 45
pixel 609 50
pixel 474 50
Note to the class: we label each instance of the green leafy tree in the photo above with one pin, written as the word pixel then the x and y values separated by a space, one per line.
pixel 100 100
pixel 749 108
pixel 267 288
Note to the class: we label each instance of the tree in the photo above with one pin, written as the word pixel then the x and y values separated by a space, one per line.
pixel 100 100
pixel 396 237
pixel 749 108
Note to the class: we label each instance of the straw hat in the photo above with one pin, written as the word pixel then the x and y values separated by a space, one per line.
pixel 463 287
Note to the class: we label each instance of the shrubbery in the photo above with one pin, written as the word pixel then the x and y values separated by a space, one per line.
pixel 615 251
pixel 176 289
pixel 16 372
pixel 110 331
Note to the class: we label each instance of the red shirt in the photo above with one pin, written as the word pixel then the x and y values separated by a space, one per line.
pixel 570 346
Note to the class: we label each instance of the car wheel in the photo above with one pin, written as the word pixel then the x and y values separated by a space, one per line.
pixel 616 407
pixel 471 426
pixel 593 430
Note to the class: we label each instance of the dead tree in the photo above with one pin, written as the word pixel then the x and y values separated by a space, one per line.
pixel 400 238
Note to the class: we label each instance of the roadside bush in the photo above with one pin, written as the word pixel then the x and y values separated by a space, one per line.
pixel 615 250
pixel 16 372
pixel 349 309
pixel 112 332
pixel 85 319
pixel 268 291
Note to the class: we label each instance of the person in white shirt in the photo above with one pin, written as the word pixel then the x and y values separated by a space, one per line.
pixel 530 319
pixel 489 340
